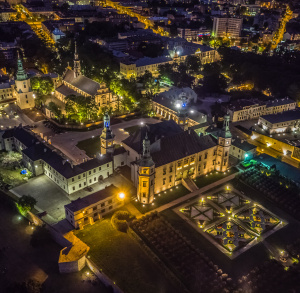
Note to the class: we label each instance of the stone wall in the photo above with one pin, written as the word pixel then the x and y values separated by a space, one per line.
pixel 102 277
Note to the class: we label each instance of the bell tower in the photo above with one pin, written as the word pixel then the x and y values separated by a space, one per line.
pixel 224 144
pixel 77 66
pixel 146 175
pixel 106 137
pixel 25 96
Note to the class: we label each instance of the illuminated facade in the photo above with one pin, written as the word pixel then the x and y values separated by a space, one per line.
pixel 163 154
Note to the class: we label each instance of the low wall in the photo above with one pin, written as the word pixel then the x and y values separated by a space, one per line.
pixel 102 277
pixel 72 266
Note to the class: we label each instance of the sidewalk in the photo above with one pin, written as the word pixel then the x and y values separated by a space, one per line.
pixel 193 194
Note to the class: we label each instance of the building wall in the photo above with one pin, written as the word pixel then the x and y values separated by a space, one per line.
pixel 281 127
pixel 25 98
pixel 255 111
pixel 92 213
pixel 7 93
pixel 240 154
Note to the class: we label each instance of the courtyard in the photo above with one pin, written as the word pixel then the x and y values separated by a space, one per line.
pixel 52 198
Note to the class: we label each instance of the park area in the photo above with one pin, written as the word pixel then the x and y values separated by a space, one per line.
pixel 11 173
pixel 123 260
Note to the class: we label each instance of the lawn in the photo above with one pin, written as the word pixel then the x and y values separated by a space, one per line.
pixel 213 177
pixel 91 146
pixel 12 177
pixel 162 198
pixel 123 260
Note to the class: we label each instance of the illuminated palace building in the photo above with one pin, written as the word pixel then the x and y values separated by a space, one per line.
pixel 162 155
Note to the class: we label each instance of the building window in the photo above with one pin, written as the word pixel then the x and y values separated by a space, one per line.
pixel 96 214
pixel 99 168
pixel 90 172
pixel 164 181
pixel 79 177
pixel 102 205
pixel 205 157
pixel 110 207
pixel 73 187
pixel 103 211
pixel 94 208
pixel 80 185
pixel 95 178
pixel 110 201
pixel 170 179
pixel 72 179
pixel 164 171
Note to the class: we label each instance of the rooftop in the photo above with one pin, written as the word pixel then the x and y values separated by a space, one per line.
pixel 82 203
pixel 282 117
pixel 243 144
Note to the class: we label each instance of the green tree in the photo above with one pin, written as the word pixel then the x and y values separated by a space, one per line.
pixel 25 204
pixel 42 85
pixel 11 160
pixel 151 84
pixel 193 64
pixel 81 108
pixel 54 109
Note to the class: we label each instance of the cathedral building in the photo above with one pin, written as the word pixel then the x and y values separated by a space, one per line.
pixel 162 155
pixel 24 93
pixel 74 83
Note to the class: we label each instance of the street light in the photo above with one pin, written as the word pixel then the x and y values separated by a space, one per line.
pixel 121 196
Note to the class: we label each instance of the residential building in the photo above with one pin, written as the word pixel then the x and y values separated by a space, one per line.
pixel 7 91
pixel 227 27
pixel 87 210
pixel 252 109
pixel 192 34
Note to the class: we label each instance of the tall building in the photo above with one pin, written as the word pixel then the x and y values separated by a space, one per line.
pixel 77 66
pixel 227 27
pixel 106 137
pixel 25 96
pixel 146 174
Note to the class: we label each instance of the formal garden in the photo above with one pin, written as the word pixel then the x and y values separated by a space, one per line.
pixel 228 219
pixel 192 266
pixel 275 187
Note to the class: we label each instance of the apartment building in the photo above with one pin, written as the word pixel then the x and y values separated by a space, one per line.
pixel 227 27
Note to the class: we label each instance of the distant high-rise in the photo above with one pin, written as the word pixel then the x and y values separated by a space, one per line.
pixel 227 27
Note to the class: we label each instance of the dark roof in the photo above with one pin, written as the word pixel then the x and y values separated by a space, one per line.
pixel 154 131
pixel 279 102
pixel 66 91
pixel 91 199
pixel 25 137
pixel 81 82
pixel 118 151
pixel 282 117
pixel 243 144
pixel 8 133
pixel 181 145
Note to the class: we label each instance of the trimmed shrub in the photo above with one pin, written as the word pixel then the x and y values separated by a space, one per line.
pixel 119 220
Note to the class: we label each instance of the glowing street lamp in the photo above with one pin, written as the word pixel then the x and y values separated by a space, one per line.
pixel 121 196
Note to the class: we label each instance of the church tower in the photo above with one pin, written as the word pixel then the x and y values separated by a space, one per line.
pixel 77 67
pixel 106 137
pixel 146 175
pixel 25 96
pixel 224 144
pixel 182 115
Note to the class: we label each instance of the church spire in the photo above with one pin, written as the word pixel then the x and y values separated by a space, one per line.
pixel 77 67
pixel 146 147
pixel 21 73
pixel 225 132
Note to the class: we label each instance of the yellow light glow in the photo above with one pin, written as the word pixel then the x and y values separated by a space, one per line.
pixel 121 195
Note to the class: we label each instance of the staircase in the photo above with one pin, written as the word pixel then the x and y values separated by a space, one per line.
pixel 189 184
